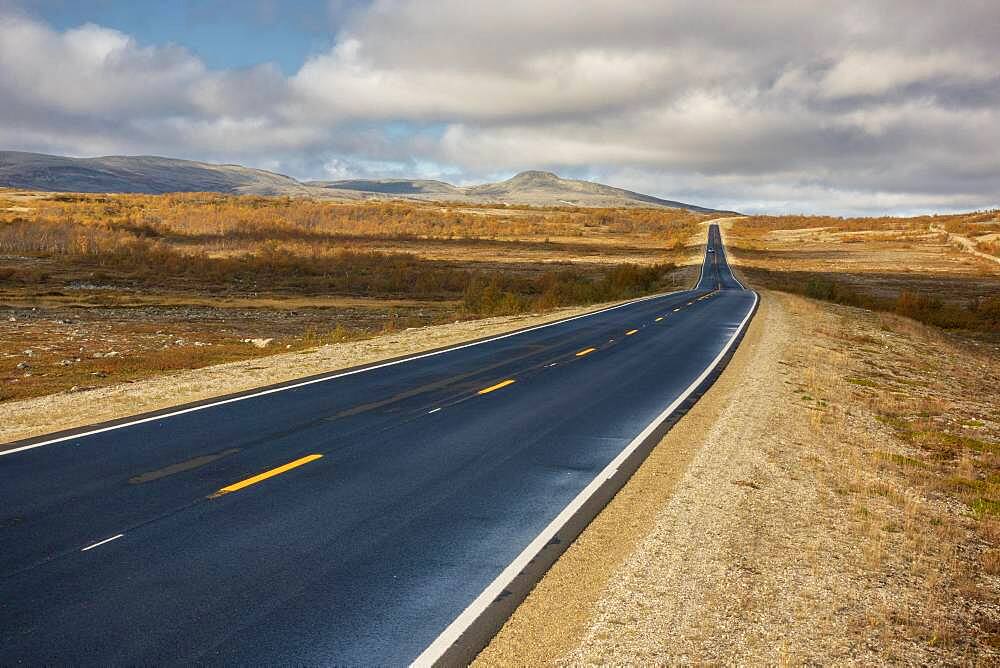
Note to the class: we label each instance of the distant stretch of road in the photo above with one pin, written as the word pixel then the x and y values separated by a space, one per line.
pixel 383 515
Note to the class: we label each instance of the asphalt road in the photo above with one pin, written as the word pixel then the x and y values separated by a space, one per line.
pixel 349 519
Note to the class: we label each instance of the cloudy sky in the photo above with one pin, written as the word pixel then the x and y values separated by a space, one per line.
pixel 776 106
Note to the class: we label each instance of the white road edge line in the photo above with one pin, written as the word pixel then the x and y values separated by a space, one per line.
pixel 433 411
pixel 455 630
pixel 324 379
pixel 98 544
pixel 731 272
pixel 729 266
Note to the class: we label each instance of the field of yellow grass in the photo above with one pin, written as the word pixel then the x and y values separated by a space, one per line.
pixel 907 266
pixel 103 289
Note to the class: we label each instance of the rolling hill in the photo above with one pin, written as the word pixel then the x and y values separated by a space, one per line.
pixel 137 174
pixel 152 174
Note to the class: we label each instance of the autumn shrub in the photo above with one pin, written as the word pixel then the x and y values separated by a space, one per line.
pixel 917 306
pixel 982 314
pixel 956 223
pixel 230 220
pixel 990 247
pixel 500 294
pixel 274 267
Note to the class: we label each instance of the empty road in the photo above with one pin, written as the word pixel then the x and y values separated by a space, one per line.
pixel 364 517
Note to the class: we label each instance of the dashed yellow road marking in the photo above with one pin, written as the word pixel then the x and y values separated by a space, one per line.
pixel 585 351
pixel 266 474
pixel 659 319
pixel 631 332
pixel 493 388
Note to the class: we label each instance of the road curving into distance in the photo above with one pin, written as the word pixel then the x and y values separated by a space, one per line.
pixel 390 514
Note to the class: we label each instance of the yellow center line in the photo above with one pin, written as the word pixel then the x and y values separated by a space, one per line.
pixel 236 486
pixel 585 351
pixel 659 319
pixel 631 332
pixel 492 388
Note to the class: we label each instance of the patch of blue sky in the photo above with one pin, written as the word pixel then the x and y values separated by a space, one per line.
pixel 224 34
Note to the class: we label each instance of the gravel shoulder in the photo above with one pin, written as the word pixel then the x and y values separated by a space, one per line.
pixel 559 613
pixel 780 521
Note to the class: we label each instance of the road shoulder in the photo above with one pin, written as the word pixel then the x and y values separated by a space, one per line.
pixel 778 522
pixel 557 614
pixel 67 410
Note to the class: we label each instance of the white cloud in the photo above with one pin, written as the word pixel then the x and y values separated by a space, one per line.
pixel 786 105
pixel 90 70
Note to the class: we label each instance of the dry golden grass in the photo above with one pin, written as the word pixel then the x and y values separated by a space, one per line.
pixel 909 420
pixel 907 266
pixel 134 274
pixel 226 222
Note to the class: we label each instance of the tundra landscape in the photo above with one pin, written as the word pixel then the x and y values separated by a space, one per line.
pixel 885 331
pixel 538 334
pixel 101 289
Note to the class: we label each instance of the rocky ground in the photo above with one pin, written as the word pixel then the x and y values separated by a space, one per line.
pixel 89 403
pixel 52 348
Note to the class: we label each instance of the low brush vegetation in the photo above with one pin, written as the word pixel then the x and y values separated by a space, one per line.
pixel 114 254
pixel 503 295
pixel 905 416
pixel 226 222
pixel 167 282
pixel 974 313
pixel 964 223
pixel 904 266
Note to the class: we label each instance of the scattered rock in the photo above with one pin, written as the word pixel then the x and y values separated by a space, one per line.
pixel 23 365
pixel 29 353
pixel 259 343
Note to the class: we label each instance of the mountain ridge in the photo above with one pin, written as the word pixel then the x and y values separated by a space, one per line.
pixel 150 174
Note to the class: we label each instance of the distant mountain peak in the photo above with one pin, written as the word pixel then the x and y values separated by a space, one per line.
pixel 536 175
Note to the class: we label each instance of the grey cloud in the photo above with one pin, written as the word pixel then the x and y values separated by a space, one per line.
pixel 854 106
